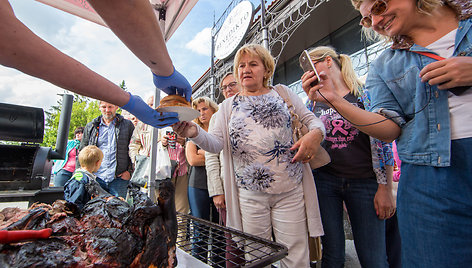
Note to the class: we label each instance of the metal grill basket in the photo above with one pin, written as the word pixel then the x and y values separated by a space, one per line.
pixel 220 246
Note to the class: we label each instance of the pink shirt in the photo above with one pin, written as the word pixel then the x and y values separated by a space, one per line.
pixel 397 168
pixel 70 165
pixel 178 154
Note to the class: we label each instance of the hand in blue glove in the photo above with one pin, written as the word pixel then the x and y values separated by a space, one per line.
pixel 147 115
pixel 176 83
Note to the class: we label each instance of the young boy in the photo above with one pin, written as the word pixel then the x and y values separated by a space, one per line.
pixel 90 159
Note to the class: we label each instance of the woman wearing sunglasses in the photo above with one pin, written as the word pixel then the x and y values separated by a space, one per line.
pixel 421 97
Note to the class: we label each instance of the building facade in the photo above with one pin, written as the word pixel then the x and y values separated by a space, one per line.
pixel 292 26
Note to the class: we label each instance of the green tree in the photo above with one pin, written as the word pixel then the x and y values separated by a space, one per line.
pixel 123 85
pixel 84 110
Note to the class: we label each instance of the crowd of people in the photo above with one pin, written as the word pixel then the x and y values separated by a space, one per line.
pixel 240 164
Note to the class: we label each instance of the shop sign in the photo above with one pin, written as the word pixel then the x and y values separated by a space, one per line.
pixel 233 31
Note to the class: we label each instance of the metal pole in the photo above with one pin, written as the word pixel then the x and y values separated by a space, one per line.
pixel 153 153
pixel 265 34
pixel 212 57
pixel 154 132
pixel 63 128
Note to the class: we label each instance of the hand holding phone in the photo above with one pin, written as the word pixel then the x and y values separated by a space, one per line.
pixel 171 138
pixel 307 65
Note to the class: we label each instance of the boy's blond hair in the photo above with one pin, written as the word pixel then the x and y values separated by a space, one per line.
pixel 89 156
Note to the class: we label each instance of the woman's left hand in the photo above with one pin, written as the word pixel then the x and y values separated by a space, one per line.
pixel 448 73
pixel 384 202
pixel 307 146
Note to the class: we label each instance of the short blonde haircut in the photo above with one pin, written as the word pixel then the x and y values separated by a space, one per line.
pixel 89 156
pixel 258 51
pixel 208 102
pixel 422 6
pixel 343 62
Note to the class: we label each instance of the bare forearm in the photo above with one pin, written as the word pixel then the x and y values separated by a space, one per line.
pixel 368 122
pixel 135 23
pixel 193 156
pixel 23 50
pixel 197 160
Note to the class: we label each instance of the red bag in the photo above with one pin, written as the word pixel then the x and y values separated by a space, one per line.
pixel 234 256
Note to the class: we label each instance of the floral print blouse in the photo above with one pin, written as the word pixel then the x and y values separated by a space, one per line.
pixel 261 137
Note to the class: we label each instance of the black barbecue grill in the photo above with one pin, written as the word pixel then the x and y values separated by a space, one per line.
pixel 25 167
pixel 220 246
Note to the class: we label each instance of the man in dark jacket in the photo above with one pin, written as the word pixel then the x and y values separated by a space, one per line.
pixel 111 133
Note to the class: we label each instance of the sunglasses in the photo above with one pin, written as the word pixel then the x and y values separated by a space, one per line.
pixel 231 85
pixel 377 9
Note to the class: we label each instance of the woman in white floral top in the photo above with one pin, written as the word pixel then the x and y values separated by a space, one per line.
pixel 268 184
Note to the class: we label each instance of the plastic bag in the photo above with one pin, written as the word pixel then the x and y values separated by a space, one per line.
pixel 163 165
pixel 141 171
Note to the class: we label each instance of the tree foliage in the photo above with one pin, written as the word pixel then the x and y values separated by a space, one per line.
pixel 84 110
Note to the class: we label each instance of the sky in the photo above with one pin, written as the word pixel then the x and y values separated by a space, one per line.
pixel 100 50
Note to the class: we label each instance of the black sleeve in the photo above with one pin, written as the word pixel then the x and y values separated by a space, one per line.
pixel 85 137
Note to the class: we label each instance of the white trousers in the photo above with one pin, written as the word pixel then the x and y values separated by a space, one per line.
pixel 284 215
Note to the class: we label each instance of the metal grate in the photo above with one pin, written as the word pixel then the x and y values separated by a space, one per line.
pixel 220 246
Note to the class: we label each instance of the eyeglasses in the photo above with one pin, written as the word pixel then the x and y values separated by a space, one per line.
pixel 231 85
pixel 377 9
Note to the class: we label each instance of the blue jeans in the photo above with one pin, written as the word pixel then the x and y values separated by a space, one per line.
pixel 435 211
pixel 61 177
pixel 200 203
pixel 393 241
pixel 117 187
pixel 201 206
pixel 368 230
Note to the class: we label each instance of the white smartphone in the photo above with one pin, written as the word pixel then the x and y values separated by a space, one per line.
pixel 307 65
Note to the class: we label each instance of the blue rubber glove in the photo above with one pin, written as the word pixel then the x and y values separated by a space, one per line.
pixel 176 83
pixel 147 115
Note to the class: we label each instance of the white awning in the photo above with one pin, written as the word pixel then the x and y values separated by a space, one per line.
pixel 176 11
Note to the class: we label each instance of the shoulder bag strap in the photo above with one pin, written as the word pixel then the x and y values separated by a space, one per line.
pixel 298 128
pixel 457 90
pixel 429 55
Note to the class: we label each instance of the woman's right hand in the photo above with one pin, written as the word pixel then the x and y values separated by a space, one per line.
pixel 185 129
pixel 325 84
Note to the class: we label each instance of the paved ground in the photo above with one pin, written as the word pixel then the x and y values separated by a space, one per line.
pixel 351 257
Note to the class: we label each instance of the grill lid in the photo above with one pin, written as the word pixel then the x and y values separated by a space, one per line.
pixel 21 123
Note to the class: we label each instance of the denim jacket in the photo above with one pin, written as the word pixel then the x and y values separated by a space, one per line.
pixel 421 110
pixel 382 153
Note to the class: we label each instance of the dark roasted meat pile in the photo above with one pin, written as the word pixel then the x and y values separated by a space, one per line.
pixel 107 232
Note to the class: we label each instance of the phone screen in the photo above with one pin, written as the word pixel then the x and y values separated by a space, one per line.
pixel 171 134
pixel 307 65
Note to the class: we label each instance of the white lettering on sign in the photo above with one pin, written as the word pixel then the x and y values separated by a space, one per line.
pixel 234 29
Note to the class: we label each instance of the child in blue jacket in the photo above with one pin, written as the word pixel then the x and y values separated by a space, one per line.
pixel 90 159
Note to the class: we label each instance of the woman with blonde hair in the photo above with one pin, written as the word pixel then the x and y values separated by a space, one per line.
pixel 269 188
pixel 200 202
pixel 359 174
pixel 421 98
